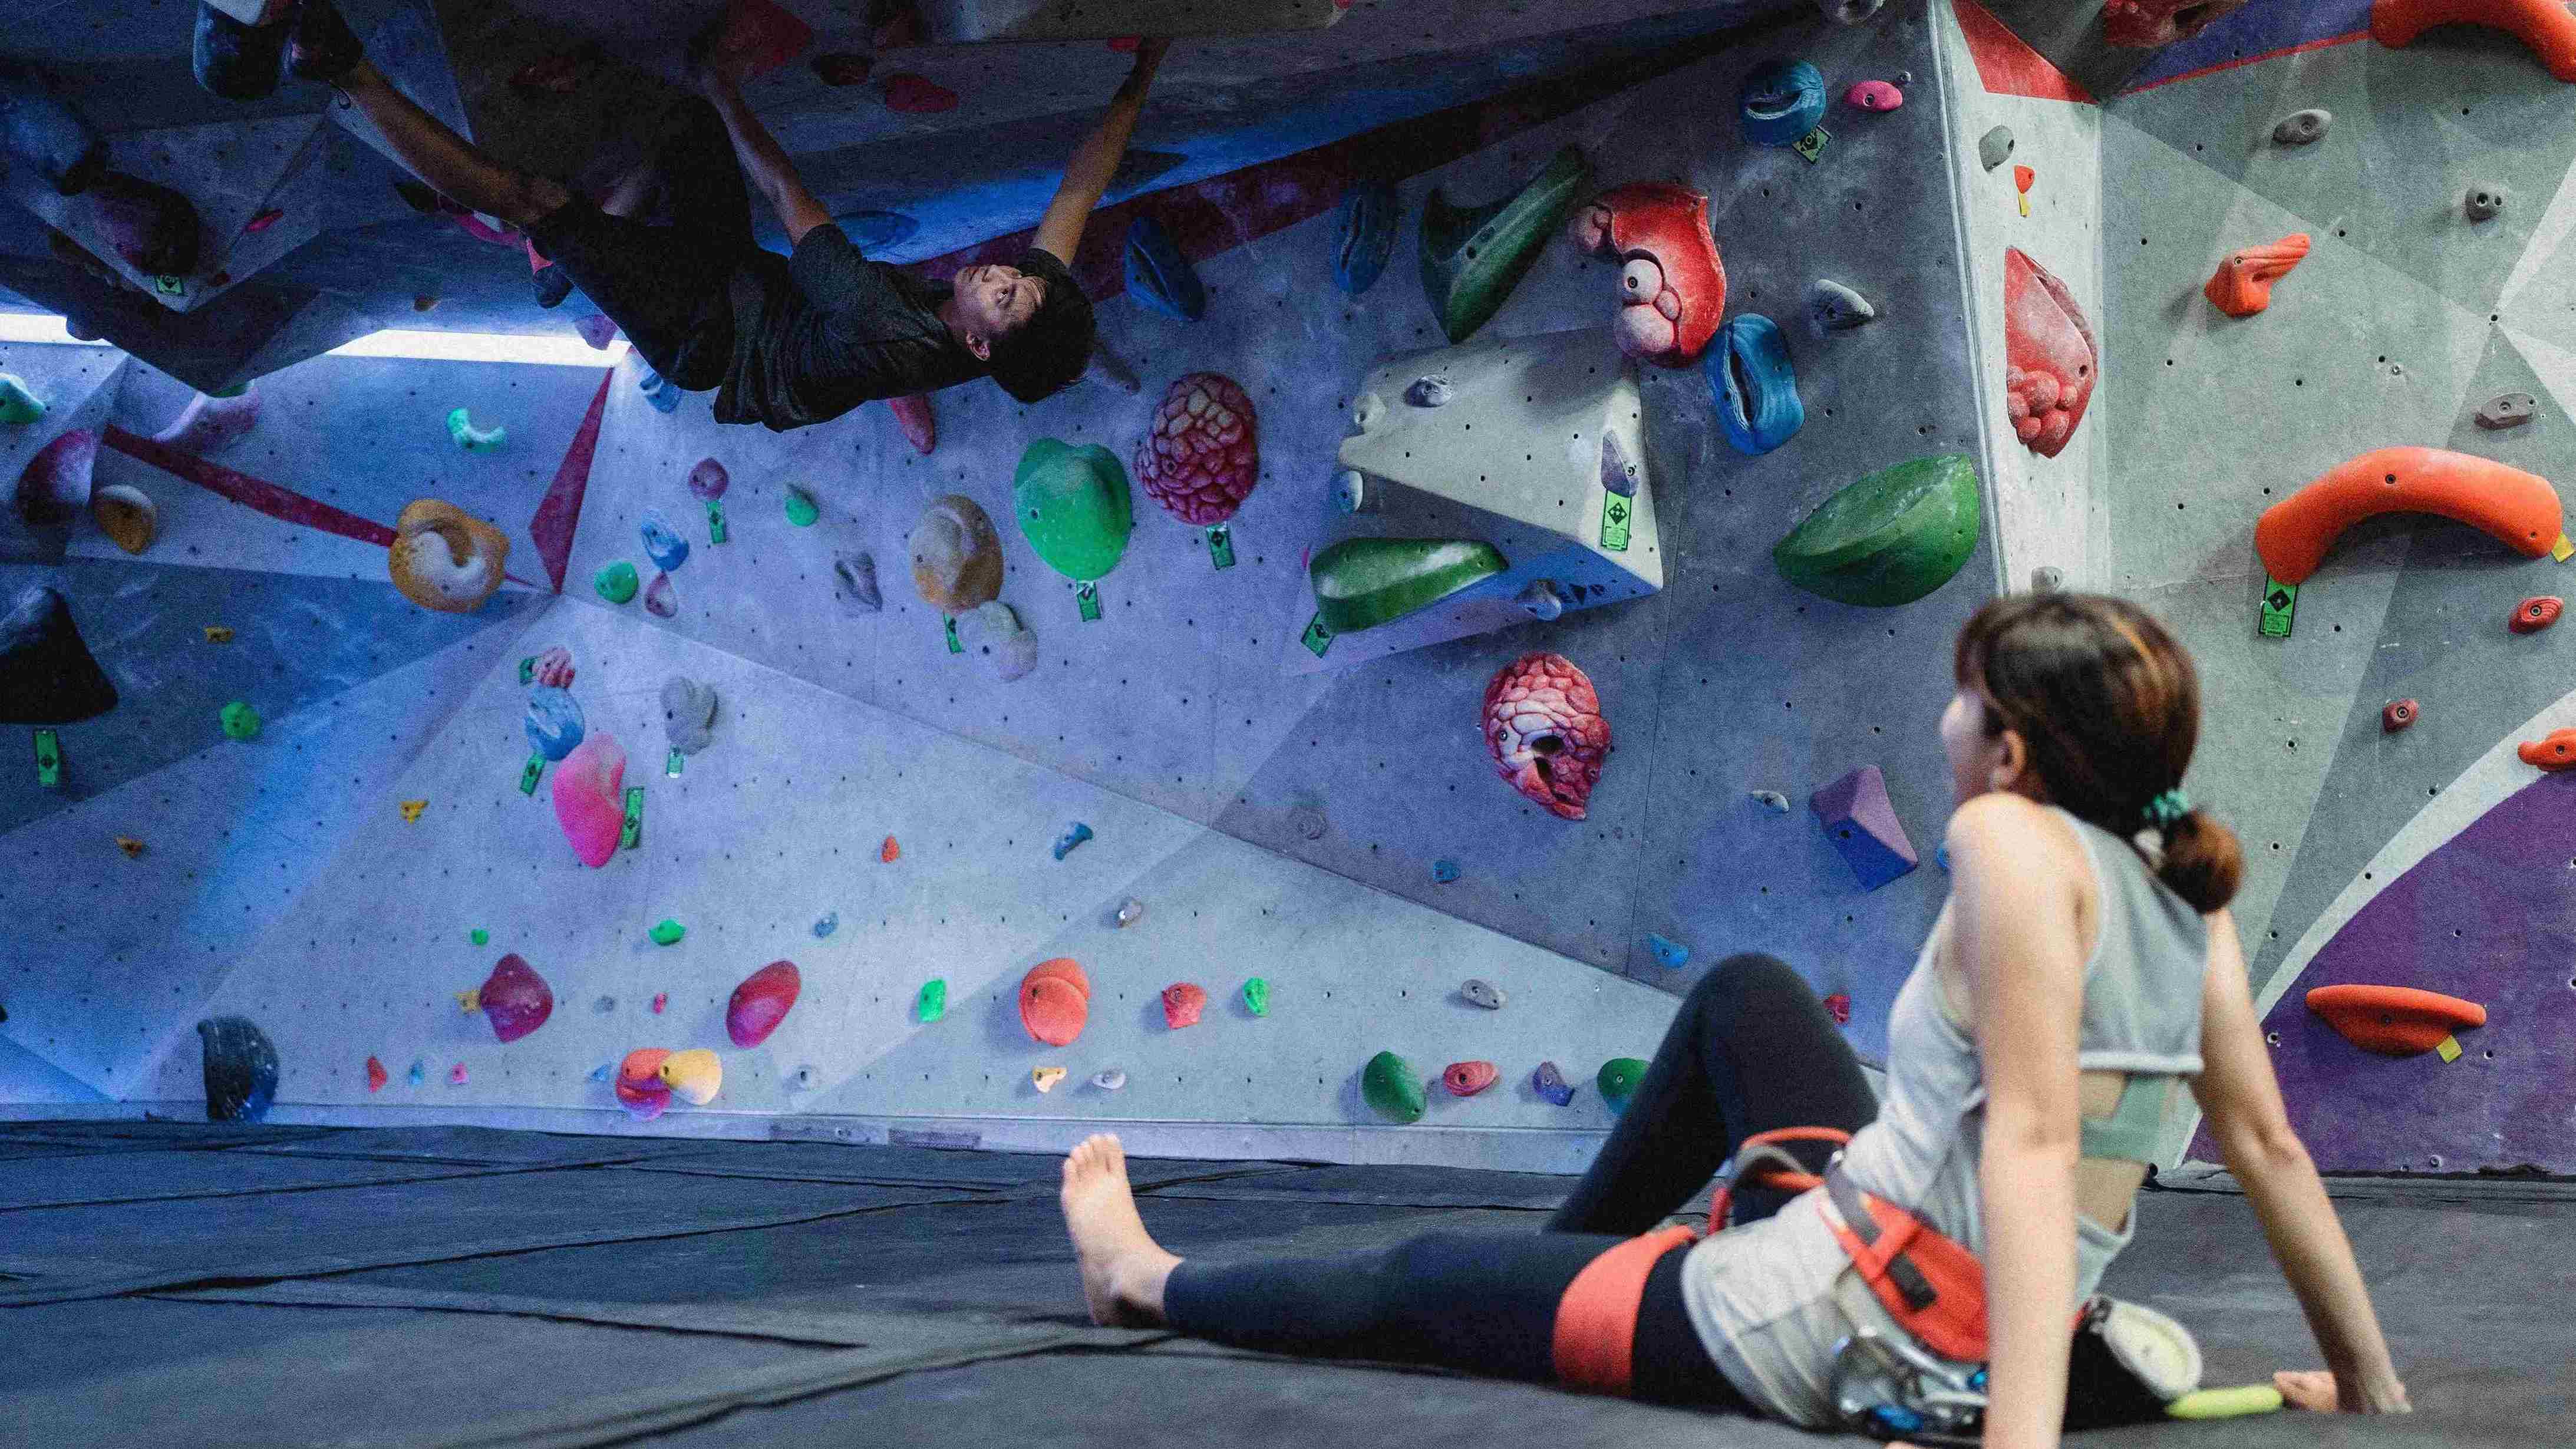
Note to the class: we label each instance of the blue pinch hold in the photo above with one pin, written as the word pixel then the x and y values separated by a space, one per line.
pixel 600 1073
pixel 1755 388
pixel 1781 101
pixel 1368 216
pixel 1066 842
pixel 1672 953
pixel 662 542
pixel 831 922
pixel 1444 871
pixel 554 721
pixel 658 391
pixel 1159 276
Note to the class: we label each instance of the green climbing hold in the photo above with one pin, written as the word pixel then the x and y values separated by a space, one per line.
pixel 240 721
pixel 934 999
pixel 1256 996
pixel 479 936
pixel 471 438
pixel 1890 538
pixel 616 583
pixel 667 932
pixel 17 405
pixel 801 508
pixel 1618 1081
pixel 1472 257
pixel 1392 1086
pixel 1361 583
pixel 1073 504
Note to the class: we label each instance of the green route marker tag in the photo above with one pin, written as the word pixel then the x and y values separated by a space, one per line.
pixel 1615 512
pixel 49 760
pixel 1088 596
pixel 170 286
pixel 528 670
pixel 528 777
pixel 2280 603
pixel 1221 545
pixel 715 520
pixel 671 767
pixel 633 835
pixel 953 646
pixel 1318 636
pixel 1812 144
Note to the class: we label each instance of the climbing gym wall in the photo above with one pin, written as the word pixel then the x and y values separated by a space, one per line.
pixel 2398 838
pixel 381 878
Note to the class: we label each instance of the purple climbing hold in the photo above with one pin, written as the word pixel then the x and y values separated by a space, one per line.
pixel 1551 1084
pixel 596 330
pixel 515 999
pixel 47 676
pixel 241 1069
pixel 1861 822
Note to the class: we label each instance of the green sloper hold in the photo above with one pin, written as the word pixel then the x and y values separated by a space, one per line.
pixel 1073 505
pixel 1256 996
pixel 801 508
pixel 1361 583
pixel 1393 1087
pixel 616 583
pixel 934 999
pixel 17 405
pixel 239 720
pixel 1618 1081
pixel 1890 538
pixel 667 932
pixel 1472 257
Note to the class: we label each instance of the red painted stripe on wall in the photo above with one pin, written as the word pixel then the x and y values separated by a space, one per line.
pixel 2007 65
pixel 284 504
pixel 559 512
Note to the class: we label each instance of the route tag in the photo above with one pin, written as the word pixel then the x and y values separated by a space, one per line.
pixel 715 520
pixel 1088 596
pixel 1318 636
pixel 528 777
pixel 2280 603
pixel 633 835
pixel 528 670
pixel 1812 144
pixel 49 760
pixel 1615 512
pixel 671 767
pixel 953 646
pixel 1221 545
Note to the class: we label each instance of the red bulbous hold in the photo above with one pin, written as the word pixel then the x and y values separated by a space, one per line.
pixel 1466 1079
pixel 1545 730
pixel 761 1002
pixel 1182 1003
pixel 1202 454
pixel 2398 714
pixel 2050 360
pixel 1672 284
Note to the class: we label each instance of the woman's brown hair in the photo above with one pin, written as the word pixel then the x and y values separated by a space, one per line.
pixel 2110 707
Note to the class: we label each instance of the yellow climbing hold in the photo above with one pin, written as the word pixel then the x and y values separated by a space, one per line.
pixel 694 1075
pixel 411 811
pixel 1046 1077
pixel 2228 1403
pixel 219 633
pixel 470 1000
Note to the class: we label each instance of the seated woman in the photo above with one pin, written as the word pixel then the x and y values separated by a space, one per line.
pixel 2084 964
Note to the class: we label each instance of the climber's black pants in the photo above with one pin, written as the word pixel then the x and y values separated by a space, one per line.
pixel 1751 1049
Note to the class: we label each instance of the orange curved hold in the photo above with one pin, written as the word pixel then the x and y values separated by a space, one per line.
pixel 2554 751
pixel 2242 285
pixel 2544 25
pixel 2519 509
pixel 2394 1021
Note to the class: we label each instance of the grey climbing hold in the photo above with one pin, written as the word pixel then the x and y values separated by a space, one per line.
pixel 1540 598
pixel 688 714
pixel 1065 843
pixel 1673 954
pixel 1351 493
pixel 1995 147
pixel 2484 203
pixel 1833 307
pixel 854 583
pixel 2302 127
pixel 1480 992
pixel 1771 800
pixel 1308 820
pixel 1130 911
pixel 2508 410
pixel 2047 579
pixel 1430 392
pixel 1110 1080
pixel 604 1005
pixel 993 634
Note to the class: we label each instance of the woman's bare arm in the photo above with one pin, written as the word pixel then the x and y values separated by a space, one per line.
pixel 2242 1101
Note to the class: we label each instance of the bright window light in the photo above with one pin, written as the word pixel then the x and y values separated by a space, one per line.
pixel 40 327
pixel 37 327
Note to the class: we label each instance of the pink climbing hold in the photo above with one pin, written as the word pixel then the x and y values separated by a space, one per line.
pixel 1672 284
pixel 912 415
pixel 516 1000
pixel 1875 95
pixel 590 801
pixel 660 999
pixel 210 424
pixel 640 1088
pixel 2050 360
pixel 456 1075
pixel 553 668
pixel 917 95
pixel 596 330
pixel 662 597
pixel 1860 820
pixel 1182 1003
pixel 708 480
pixel 1466 1079
pixel 1544 728
pixel 761 1002
pixel 263 221
pixel 1201 455
pixel 1838 1006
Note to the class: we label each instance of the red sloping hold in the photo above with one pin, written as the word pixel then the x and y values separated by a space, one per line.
pixel 2007 65
pixel 284 504
pixel 2394 1021
pixel 2543 25
pixel 559 513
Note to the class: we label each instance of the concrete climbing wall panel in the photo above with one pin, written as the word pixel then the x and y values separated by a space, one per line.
pixel 78 386
pixel 951 22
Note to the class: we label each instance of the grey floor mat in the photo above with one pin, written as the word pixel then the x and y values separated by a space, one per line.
pixel 922 1166
pixel 486 1145
pixel 1396 1185
pixel 156 1175
pixel 116 1133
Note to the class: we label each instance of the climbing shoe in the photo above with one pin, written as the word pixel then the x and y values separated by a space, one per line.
pixel 44 133
pixel 236 61
pixel 2128 1362
pixel 320 44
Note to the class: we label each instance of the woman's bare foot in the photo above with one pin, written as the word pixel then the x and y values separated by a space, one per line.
pixel 1123 1268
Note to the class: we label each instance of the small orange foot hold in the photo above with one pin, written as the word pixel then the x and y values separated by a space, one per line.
pixel 2544 25
pixel 2242 285
pixel 889 852
pixel 2554 751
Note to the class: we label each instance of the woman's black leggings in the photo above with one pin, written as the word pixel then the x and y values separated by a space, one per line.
pixel 1751 1049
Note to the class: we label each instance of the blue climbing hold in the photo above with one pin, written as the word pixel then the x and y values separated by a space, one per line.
pixel 1369 212
pixel 1781 101
pixel 1066 842
pixel 831 922
pixel 662 542
pixel 554 721
pixel 601 1073
pixel 1755 387
pixel 1672 953
pixel 241 1069
pixel 664 397
pixel 1159 276
pixel 874 231
pixel 1942 854
pixel 1444 871
pixel 417 1075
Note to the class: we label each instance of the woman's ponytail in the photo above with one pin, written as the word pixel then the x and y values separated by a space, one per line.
pixel 2202 861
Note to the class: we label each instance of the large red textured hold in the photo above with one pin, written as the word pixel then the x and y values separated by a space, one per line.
pixel 2161 22
pixel 1672 284
pixel 761 1002
pixel 2554 751
pixel 2242 285
pixel 1202 454
pixel 1182 1003
pixel 1466 1079
pixel 918 95
pixel 2050 361
pixel 1055 1001
pixel 515 999
pixel 1544 728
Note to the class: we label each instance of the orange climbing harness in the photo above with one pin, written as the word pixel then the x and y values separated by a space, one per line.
pixel 1931 1284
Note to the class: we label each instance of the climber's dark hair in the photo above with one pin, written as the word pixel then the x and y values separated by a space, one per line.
pixel 2109 705
pixel 1051 350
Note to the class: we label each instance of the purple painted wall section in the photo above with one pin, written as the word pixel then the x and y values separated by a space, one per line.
pixel 2489 916
pixel 2258 30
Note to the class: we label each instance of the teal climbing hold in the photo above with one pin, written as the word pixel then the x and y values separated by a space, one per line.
pixel 1890 538
pixel 1361 583
pixel 1472 257
pixel 17 405
pixel 1368 215
pixel 1781 101
pixel 1159 276
pixel 240 721
pixel 1673 954
pixel 1391 1085
pixel 1755 387
pixel 1618 1081
pixel 667 932
pixel 616 582
pixel 472 439
pixel 802 510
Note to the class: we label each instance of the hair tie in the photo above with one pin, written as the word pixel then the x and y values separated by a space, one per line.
pixel 2165 809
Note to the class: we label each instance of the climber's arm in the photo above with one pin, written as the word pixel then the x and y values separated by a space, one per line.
pixel 763 163
pixel 1095 161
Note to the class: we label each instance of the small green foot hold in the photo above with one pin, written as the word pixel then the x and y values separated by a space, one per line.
pixel 479 936
pixel 616 582
pixel 667 932
pixel 471 438
pixel 1472 257
pixel 802 510
pixel 531 773
pixel 934 1000
pixel 17 405
pixel 1256 996
pixel 240 721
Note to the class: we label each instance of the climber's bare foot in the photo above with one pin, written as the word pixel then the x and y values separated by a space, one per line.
pixel 1123 1268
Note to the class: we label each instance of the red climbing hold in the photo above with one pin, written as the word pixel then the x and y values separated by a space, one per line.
pixel 640 1088
pixel 889 852
pixel 375 1075
pixel 2398 714
pixel 2395 1021
pixel 1182 1003
pixel 761 1002
pixel 2537 613
pixel 1201 455
pixel 2242 285
pixel 2050 360
pixel 263 221
pixel 1545 731
pixel 1126 44
pixel 2160 22
pixel 912 415
pixel 918 95
pixel 2543 25
pixel 767 34
pixel 2516 508
pixel 1672 284
pixel 1466 1079
pixel 1055 1001
pixel 2553 752
pixel 516 1000
pixel 1839 1004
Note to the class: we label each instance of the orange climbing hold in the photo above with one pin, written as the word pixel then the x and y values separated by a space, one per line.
pixel 889 852
pixel 2536 613
pixel 1182 1003
pixel 1055 1001
pixel 2544 25
pixel 2554 751
pixel 2394 1021
pixel 2242 285
pixel 2519 509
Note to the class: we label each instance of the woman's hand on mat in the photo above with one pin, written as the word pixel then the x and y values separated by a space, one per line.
pixel 2319 1391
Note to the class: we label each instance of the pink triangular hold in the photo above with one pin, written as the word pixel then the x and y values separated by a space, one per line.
pixel 560 511
pixel 1861 822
